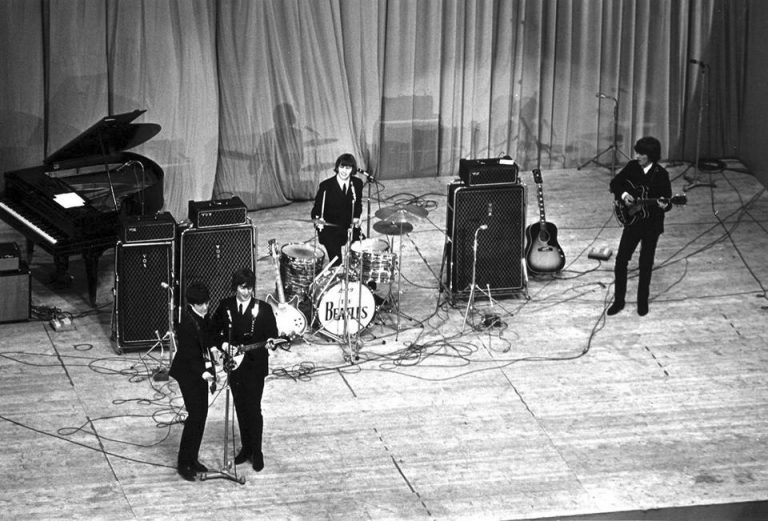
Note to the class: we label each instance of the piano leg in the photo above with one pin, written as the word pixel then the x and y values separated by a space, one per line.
pixel 92 273
pixel 61 277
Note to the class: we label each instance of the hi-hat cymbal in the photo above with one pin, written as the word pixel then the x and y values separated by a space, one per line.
pixel 408 212
pixel 315 221
pixel 388 228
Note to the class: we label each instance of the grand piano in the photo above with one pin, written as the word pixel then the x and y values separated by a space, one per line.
pixel 72 204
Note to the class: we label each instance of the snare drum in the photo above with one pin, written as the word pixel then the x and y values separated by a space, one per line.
pixel 299 264
pixel 378 264
pixel 333 304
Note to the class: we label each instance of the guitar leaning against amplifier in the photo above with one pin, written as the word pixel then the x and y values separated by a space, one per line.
pixel 543 254
pixel 291 322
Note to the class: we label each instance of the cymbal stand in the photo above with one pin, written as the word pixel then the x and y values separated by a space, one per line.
pixel 615 145
pixel 393 302
pixel 161 373
pixel 227 470
pixel 693 180
pixel 473 286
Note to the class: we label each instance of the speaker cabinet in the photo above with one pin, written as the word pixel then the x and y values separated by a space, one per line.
pixel 211 255
pixel 15 287
pixel 499 264
pixel 143 272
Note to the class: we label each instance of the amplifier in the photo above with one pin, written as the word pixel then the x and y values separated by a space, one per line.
pixel 9 256
pixel 217 212
pixel 496 170
pixel 146 228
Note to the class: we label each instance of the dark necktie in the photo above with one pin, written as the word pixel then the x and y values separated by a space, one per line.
pixel 344 188
pixel 240 308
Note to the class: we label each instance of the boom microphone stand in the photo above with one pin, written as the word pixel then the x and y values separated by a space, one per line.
pixel 615 145
pixel 693 180
pixel 161 373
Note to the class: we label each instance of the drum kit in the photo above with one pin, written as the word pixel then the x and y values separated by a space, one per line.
pixel 340 297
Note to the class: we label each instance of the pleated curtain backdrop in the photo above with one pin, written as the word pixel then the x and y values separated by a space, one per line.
pixel 256 98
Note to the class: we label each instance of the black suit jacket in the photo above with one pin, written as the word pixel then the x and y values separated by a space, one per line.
pixel 657 183
pixel 339 209
pixel 193 338
pixel 246 329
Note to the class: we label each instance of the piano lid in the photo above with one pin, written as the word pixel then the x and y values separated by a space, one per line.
pixel 110 135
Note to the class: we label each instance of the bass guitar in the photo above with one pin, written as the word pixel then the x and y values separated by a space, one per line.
pixel 291 322
pixel 233 356
pixel 638 210
pixel 543 254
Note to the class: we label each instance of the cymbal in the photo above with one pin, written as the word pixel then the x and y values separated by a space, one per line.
pixel 316 221
pixel 388 228
pixel 405 211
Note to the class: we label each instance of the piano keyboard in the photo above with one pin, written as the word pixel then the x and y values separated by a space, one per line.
pixel 34 227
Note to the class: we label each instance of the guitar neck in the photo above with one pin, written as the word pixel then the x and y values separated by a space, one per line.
pixel 540 195
pixel 278 276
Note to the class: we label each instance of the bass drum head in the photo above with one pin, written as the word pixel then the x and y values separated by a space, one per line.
pixel 360 307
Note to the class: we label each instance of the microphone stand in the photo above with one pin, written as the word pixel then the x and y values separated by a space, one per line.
pixel 473 287
pixel 615 145
pixel 161 373
pixel 693 181
pixel 227 470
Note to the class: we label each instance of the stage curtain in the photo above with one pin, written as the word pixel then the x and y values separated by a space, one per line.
pixel 256 98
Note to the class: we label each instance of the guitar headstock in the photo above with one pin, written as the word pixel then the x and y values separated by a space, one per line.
pixel 679 199
pixel 537 176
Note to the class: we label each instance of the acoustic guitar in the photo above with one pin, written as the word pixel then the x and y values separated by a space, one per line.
pixel 543 254
pixel 291 322
pixel 638 210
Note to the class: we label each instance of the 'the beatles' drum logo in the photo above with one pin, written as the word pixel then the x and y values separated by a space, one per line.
pixel 333 312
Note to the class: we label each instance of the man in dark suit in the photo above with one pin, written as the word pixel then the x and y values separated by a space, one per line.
pixel 243 319
pixel 644 171
pixel 193 370
pixel 338 205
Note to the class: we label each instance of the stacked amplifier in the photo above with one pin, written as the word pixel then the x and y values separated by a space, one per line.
pixel 485 223
pixel 154 253
pixel 218 240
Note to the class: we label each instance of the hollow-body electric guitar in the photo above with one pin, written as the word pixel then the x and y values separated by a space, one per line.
pixel 543 254
pixel 291 321
pixel 630 214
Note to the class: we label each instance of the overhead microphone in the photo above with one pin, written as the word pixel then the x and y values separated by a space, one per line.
pixel 698 62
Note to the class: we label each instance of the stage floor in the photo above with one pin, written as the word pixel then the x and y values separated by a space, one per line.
pixel 535 406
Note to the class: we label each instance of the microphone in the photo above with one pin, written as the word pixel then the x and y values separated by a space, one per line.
pixel 698 62
pixel 603 96
pixel 164 285
pixel 367 174
pixel 483 227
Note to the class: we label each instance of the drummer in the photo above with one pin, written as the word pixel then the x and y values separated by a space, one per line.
pixel 338 206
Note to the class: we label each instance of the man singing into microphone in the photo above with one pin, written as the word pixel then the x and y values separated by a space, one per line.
pixel 338 205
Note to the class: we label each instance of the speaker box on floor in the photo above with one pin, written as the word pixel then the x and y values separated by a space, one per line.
pixel 142 273
pixel 211 255
pixel 500 247
pixel 15 288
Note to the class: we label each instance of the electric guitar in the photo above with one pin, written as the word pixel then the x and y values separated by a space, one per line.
pixel 233 356
pixel 630 214
pixel 543 254
pixel 291 321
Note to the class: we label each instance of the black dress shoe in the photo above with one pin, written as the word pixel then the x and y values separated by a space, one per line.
pixel 187 472
pixel 258 462
pixel 615 308
pixel 199 467
pixel 642 308
pixel 242 457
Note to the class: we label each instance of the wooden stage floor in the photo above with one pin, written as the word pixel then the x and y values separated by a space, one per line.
pixel 554 410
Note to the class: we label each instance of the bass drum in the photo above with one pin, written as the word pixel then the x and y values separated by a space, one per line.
pixel 334 304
